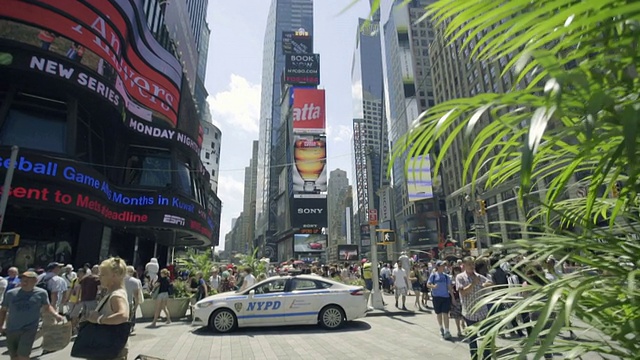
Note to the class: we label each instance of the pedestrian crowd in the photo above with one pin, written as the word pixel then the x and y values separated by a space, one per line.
pixel 455 289
pixel 37 299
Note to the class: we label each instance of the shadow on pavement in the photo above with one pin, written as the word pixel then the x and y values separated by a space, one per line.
pixel 351 326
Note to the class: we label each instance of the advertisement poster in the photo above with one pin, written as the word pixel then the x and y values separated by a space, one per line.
pixel 419 183
pixel 309 212
pixel 74 187
pixel 308 111
pixel 301 69
pixel 348 252
pixel 143 73
pixel 422 230
pixel 307 243
pixel 310 164
pixel 85 70
pixel 297 42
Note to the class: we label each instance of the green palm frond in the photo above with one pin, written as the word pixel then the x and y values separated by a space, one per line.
pixel 573 109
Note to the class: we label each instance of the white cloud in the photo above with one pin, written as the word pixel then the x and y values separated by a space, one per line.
pixel 238 106
pixel 227 185
pixel 343 134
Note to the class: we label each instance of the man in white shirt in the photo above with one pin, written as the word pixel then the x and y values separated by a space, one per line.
pixel 401 284
pixel 214 279
pixel 249 279
pixel 3 286
pixel 405 261
pixel 133 286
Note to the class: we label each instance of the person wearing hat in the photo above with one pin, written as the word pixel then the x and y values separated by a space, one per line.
pixel 54 284
pixel 442 292
pixel 21 308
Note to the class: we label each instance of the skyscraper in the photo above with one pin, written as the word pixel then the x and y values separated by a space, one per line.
pixel 410 89
pixel 370 141
pixel 249 203
pixel 338 184
pixel 210 151
pixel 284 15
pixel 456 77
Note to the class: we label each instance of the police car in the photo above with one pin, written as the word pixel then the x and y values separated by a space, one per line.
pixel 286 300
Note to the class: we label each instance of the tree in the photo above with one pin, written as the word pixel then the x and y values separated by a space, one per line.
pixel 259 265
pixel 573 117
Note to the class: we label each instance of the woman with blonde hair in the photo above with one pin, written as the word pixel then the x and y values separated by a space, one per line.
pixel 162 285
pixel 113 309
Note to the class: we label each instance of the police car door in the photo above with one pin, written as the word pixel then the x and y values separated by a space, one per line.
pixel 303 302
pixel 265 306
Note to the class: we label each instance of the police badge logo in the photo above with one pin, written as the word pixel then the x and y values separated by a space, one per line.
pixel 238 306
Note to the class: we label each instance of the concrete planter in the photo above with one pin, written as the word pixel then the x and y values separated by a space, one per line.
pixel 177 308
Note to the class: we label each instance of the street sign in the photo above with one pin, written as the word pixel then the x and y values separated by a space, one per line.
pixel 9 240
pixel 479 226
pixel 373 217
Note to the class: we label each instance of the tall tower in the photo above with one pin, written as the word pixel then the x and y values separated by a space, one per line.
pixel 284 16
pixel 371 147
pixel 336 193
pixel 410 88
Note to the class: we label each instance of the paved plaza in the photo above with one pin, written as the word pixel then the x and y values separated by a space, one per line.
pixel 392 334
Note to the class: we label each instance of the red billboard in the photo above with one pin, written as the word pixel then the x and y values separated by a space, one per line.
pixel 308 111
pixel 145 72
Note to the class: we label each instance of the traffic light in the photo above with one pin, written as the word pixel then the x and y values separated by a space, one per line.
pixel 482 207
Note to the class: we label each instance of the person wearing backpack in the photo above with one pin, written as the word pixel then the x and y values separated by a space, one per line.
pixel 53 284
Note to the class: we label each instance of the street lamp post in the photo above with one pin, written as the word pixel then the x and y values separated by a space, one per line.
pixel 8 178
pixel 376 295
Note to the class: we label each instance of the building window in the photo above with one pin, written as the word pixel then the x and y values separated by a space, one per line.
pixel 213 145
pixel 206 131
pixel 148 168
pixel 36 123
pixel 215 135
pixel 207 155
pixel 183 177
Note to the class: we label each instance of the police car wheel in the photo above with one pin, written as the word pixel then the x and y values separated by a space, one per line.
pixel 223 321
pixel 332 317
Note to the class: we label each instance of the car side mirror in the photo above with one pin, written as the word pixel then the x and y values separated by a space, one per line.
pixel 251 293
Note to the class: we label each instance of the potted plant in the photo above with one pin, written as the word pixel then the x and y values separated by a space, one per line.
pixel 178 303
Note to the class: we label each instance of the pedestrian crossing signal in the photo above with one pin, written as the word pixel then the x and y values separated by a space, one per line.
pixel 9 240
pixel 482 207
pixel 617 187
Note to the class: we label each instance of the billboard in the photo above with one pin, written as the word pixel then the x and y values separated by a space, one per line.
pixel 365 235
pixel 308 111
pixel 309 167
pixel 419 183
pixel 422 230
pixel 74 187
pixel 348 252
pixel 297 42
pixel 307 243
pixel 309 212
pixel 139 68
pixel 302 69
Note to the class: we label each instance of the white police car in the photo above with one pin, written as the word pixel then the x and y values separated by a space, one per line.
pixel 287 300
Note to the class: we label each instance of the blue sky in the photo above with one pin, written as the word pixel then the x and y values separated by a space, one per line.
pixel 233 81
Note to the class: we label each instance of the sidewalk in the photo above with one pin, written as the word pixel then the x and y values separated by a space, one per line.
pixel 391 310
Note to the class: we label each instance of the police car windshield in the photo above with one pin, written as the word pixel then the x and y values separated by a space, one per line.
pixel 268 286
